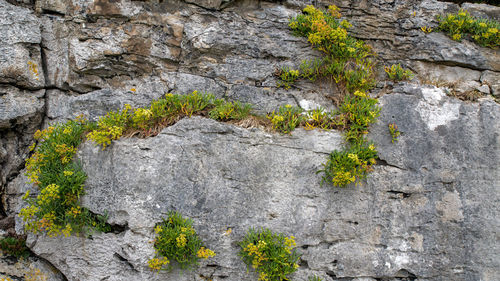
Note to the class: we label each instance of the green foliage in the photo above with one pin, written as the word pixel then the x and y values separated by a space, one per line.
pixel 361 111
pixel 287 77
pixel 326 120
pixel 314 278
pixel 393 130
pixel 397 73
pixel 349 165
pixel 225 111
pixel 485 32
pixel 56 209
pixel 271 255
pixel 286 119
pixel 346 58
pixel 14 247
pixel 176 240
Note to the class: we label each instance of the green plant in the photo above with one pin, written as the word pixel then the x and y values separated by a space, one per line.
pixel 225 111
pixel 485 32
pixel 349 165
pixel 56 209
pixel 393 130
pixel 397 73
pixel 13 246
pixel 272 255
pixel 287 77
pixel 361 111
pixel 286 119
pixel 346 58
pixel 314 278
pixel 176 240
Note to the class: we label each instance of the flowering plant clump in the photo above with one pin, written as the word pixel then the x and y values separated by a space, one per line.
pixel 56 209
pixel 272 255
pixel 176 240
pixel 286 119
pixel 287 77
pixel 361 111
pixel 397 73
pixel 225 111
pixel 485 32
pixel 347 166
pixel 395 133
pixel 14 246
pixel 346 58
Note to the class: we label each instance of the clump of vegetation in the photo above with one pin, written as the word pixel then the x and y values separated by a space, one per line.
pixel 347 59
pixel 314 278
pixel 176 240
pixel 287 77
pixel 225 111
pixel 485 32
pixel 361 111
pixel 14 246
pixel 163 112
pixel 286 119
pixel 395 133
pixel 56 209
pixel 347 166
pixel 397 73
pixel 272 255
pixel 326 120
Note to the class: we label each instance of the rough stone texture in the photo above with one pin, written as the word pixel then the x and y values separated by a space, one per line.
pixel 428 212
pixel 20 58
pixel 18 269
pixel 20 116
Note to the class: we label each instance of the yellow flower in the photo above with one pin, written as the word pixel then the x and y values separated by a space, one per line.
pixel 371 147
pixel 157 263
pixel 492 30
pixel 181 241
pixel 457 36
pixel 345 24
pixel 68 173
pixel 482 24
pixel 133 90
pixel 67 230
pixel 158 229
pixel 205 253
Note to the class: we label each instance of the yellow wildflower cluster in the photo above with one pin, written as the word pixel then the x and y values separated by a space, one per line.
pixel 257 251
pixel 205 253
pixel 290 244
pixel 65 152
pixel 181 240
pixel 343 178
pixel 483 31
pixel 74 211
pixel 158 263
pixel 48 194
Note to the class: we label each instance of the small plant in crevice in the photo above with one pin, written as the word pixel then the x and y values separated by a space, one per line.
pixel 287 77
pixel 225 111
pixel 350 165
pixel 177 241
pixel 14 246
pixel 398 73
pixel 286 119
pixel 272 255
pixel 314 278
pixel 484 32
pixel 347 59
pixel 393 130
pixel 56 209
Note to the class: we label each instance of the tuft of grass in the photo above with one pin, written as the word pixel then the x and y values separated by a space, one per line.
pixel 225 111
pixel 397 73
pixel 272 255
pixel 393 130
pixel 485 32
pixel 286 119
pixel 177 241
pixel 314 278
pixel 14 246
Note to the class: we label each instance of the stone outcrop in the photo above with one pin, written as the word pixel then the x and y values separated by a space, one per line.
pixel 427 212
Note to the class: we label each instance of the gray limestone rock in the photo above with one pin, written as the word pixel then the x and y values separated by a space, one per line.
pixel 20 58
pixel 427 211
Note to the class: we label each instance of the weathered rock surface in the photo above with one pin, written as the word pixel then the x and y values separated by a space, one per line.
pixel 429 212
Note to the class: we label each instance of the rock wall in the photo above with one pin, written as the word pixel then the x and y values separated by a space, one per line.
pixel 428 211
